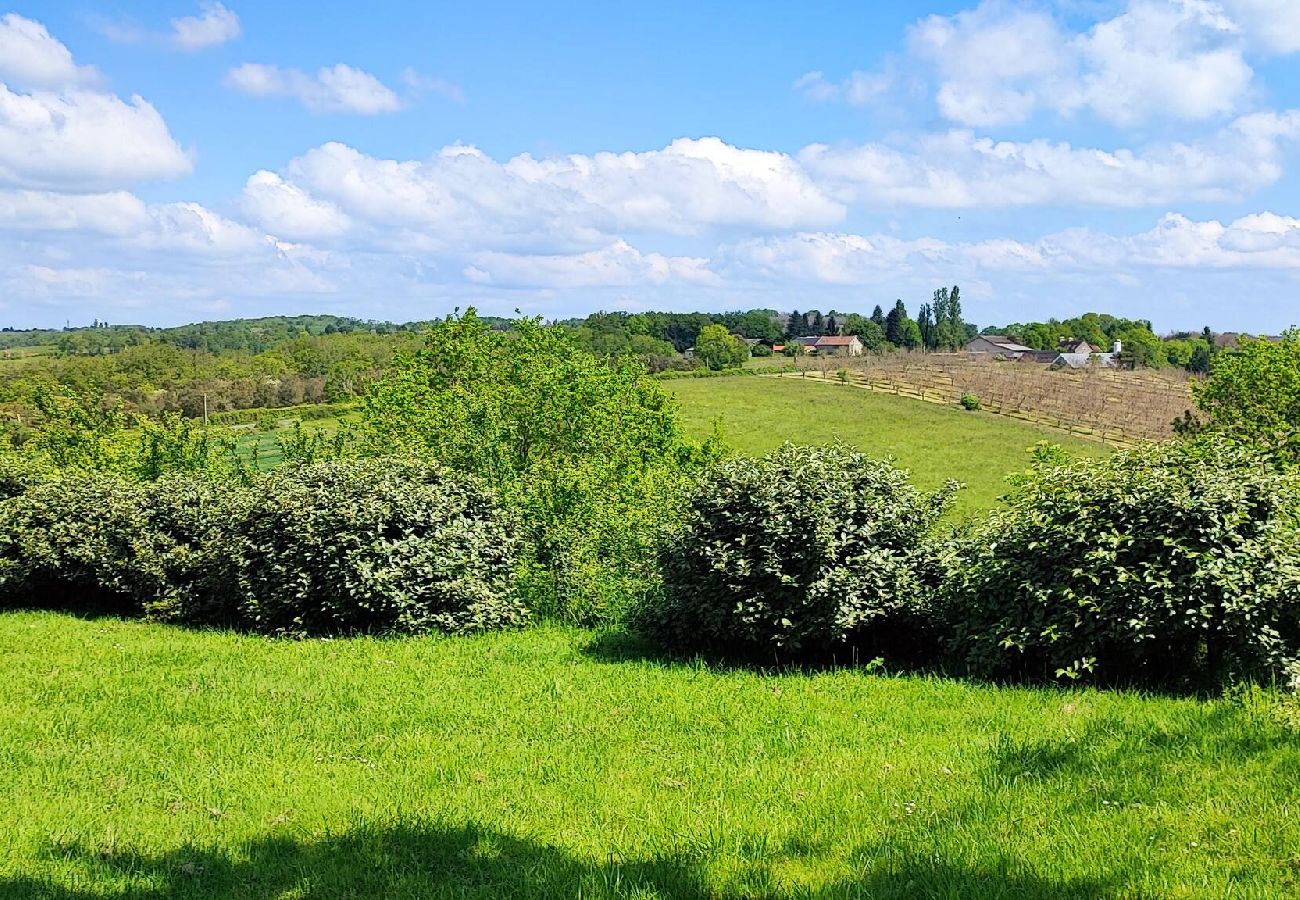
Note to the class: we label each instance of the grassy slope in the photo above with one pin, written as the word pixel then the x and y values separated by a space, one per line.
pixel 147 762
pixel 934 442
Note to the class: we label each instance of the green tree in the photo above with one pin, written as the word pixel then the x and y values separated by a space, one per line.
pixel 795 326
pixel 896 324
pixel 878 316
pixel 719 349
pixel 1253 392
pixel 590 453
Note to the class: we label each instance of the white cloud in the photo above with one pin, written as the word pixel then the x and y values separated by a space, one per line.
pixel 116 213
pixel 461 196
pixel 215 25
pixel 1264 241
pixel 31 57
pixel 333 89
pixel 83 140
pixel 1272 25
pixel 859 89
pixel 1001 62
pixel 959 169
pixel 288 211
pixel 617 265
pixel 427 84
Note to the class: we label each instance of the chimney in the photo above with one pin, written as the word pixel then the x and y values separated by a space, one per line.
pixel 1117 348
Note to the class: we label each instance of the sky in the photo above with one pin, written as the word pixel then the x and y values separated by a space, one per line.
pixel 169 162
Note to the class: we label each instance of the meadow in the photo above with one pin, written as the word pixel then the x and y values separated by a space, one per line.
pixel 934 442
pixel 146 762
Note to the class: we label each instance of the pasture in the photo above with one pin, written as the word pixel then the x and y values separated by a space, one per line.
pixel 146 762
pixel 934 442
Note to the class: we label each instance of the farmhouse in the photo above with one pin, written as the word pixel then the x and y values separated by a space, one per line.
pixel 999 346
pixel 1088 360
pixel 833 345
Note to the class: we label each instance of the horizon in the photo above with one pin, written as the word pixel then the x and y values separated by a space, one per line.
pixel 170 163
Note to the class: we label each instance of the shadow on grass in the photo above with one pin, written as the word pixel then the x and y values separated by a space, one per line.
pixel 474 862
pixel 623 647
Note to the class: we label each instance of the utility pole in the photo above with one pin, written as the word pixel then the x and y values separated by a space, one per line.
pixel 205 410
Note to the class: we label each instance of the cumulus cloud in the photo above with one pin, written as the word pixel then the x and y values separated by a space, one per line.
pixel 617 265
pixel 462 198
pixel 333 89
pixel 83 140
pixel 960 169
pixel 215 25
pixel 288 211
pixel 113 213
pixel 1001 62
pixel 31 57
pixel 1271 25
pixel 1264 241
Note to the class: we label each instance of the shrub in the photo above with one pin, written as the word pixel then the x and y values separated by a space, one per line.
pixel 375 546
pixel 970 402
pixel 96 542
pixel 1171 565
pixel 793 553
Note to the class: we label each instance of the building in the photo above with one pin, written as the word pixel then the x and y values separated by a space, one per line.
pixel 833 345
pixel 998 346
pixel 1109 360
pixel 1070 345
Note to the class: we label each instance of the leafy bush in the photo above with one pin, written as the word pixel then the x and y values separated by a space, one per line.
pixel 970 402
pixel 374 546
pixel 792 553
pixel 1171 565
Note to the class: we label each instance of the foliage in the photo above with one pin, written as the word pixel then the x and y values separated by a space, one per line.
pixel 720 349
pixel 970 402
pixel 795 552
pixel 376 546
pixel 79 435
pixel 1169 565
pixel 94 541
pixel 1253 393
pixel 572 443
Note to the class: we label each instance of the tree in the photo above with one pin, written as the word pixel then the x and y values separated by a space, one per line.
pixel 878 316
pixel 589 452
pixel 1253 392
pixel 719 349
pixel 895 324
pixel 925 322
pixel 832 326
pixel 818 323
pixel 795 326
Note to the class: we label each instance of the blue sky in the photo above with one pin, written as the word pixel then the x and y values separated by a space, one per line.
pixel 167 162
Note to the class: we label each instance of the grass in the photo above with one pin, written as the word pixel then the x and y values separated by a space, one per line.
pixel 934 442
pixel 145 762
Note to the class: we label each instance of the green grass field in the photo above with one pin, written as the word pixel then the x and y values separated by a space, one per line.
pixel 145 762
pixel 934 442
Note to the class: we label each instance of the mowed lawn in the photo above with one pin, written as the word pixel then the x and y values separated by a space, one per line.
pixel 147 762
pixel 934 442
